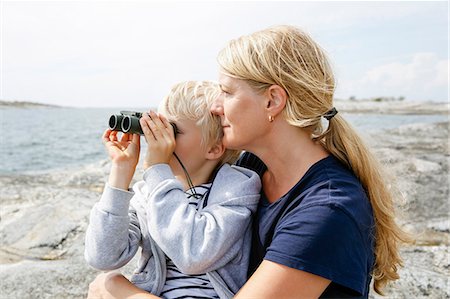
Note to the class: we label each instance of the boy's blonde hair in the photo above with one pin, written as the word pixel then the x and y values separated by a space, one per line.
pixel 192 100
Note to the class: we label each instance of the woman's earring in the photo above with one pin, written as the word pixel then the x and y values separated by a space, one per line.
pixel 270 118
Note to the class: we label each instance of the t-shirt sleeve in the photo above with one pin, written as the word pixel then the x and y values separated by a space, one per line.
pixel 322 240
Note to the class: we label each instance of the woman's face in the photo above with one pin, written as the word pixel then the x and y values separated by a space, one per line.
pixel 242 113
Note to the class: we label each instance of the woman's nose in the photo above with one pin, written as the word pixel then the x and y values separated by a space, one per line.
pixel 217 106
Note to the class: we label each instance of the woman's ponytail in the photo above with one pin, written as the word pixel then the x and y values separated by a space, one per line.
pixel 343 142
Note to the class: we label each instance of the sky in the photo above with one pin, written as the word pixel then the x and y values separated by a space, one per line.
pixel 130 53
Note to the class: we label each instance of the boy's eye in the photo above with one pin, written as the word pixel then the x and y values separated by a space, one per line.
pixel 176 131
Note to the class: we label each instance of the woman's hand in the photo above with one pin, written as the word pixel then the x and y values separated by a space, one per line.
pixel 160 138
pixel 124 154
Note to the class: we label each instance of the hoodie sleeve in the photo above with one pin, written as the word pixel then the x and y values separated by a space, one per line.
pixel 113 234
pixel 201 241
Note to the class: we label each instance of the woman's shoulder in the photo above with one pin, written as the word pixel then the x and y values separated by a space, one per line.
pixel 329 183
pixel 332 181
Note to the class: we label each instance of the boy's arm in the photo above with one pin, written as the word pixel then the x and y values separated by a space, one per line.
pixel 113 234
pixel 198 242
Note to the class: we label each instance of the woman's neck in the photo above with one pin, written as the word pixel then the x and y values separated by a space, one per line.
pixel 288 155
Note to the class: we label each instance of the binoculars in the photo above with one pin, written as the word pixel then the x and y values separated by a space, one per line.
pixel 128 122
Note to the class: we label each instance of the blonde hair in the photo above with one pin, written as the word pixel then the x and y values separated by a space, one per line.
pixel 288 57
pixel 192 100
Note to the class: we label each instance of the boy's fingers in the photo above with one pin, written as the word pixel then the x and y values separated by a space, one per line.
pixel 169 128
pixel 125 137
pixel 105 136
pixel 156 125
pixel 144 121
pixel 166 123
pixel 113 136
pixel 157 120
pixel 136 139
pixel 155 130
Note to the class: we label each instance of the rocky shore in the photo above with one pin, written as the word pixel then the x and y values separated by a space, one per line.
pixel 44 217
pixel 392 107
pixel 25 104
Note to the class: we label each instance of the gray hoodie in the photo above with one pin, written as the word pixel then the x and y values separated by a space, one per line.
pixel 157 216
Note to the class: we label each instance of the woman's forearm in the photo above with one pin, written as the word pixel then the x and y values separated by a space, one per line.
pixel 115 286
pixel 122 288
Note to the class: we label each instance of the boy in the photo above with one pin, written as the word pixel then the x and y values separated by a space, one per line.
pixel 191 213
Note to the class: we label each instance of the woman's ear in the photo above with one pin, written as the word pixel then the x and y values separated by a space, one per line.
pixel 276 100
pixel 215 151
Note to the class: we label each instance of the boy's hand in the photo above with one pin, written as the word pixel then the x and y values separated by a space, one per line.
pixel 125 151
pixel 124 154
pixel 160 138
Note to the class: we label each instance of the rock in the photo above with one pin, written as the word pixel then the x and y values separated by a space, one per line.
pixel 425 274
pixel 425 166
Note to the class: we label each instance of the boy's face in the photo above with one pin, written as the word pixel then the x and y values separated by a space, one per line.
pixel 189 149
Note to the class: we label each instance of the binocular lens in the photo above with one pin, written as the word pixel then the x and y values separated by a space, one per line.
pixel 128 122
pixel 115 122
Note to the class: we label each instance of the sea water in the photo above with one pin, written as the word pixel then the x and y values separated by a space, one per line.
pixel 40 139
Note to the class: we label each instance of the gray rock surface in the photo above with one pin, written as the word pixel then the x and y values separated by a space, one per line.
pixel 418 157
pixel 44 217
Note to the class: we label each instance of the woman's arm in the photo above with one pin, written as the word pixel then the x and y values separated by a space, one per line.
pixel 111 285
pixel 272 280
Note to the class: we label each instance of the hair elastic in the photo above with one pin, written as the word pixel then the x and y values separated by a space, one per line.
pixel 330 114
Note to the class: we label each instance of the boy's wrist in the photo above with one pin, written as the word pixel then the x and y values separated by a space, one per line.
pixel 120 176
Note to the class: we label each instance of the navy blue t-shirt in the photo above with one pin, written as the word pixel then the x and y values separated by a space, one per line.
pixel 324 225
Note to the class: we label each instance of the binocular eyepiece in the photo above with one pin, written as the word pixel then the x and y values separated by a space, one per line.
pixel 128 122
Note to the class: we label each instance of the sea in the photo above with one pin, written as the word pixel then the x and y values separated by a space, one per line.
pixel 35 140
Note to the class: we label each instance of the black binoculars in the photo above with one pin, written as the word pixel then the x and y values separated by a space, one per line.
pixel 128 122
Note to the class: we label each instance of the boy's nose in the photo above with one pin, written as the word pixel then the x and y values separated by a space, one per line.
pixel 217 107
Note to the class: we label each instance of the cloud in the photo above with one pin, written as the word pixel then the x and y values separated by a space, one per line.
pixel 424 70
pixel 99 53
pixel 424 76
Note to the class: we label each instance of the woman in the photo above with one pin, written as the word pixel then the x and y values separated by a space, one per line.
pixel 325 224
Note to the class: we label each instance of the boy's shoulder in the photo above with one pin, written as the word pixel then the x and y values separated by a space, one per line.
pixel 235 181
pixel 233 173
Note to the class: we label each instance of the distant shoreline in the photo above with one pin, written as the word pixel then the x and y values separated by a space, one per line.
pixel 345 106
pixel 392 107
pixel 25 104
